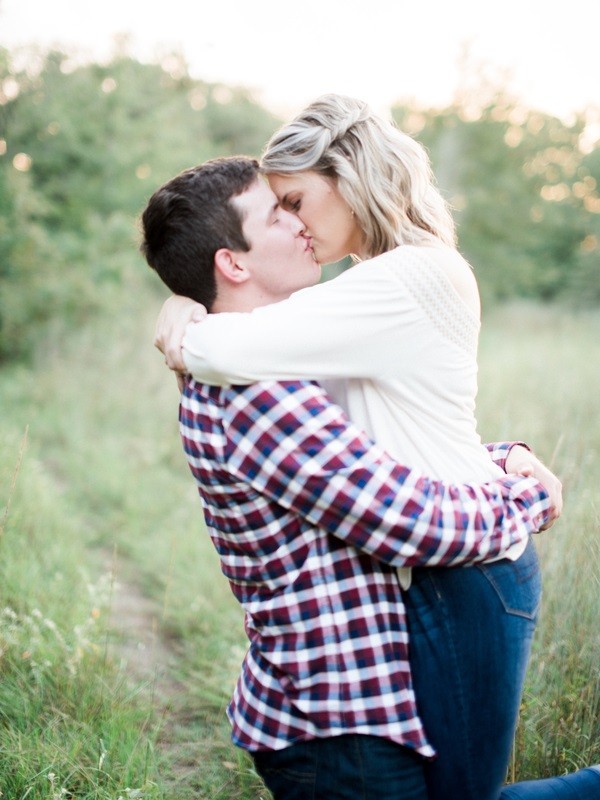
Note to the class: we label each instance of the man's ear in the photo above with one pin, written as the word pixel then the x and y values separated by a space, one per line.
pixel 229 268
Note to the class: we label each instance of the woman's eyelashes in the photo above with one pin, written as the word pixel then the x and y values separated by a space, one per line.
pixel 292 205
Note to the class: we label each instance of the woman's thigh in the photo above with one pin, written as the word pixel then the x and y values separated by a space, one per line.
pixel 470 639
pixel 343 767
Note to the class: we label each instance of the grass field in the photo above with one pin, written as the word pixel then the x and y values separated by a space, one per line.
pixel 96 504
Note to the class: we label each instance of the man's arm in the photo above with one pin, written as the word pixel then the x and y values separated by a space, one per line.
pixel 500 451
pixel 518 459
pixel 297 448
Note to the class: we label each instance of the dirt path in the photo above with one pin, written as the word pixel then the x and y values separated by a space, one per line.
pixel 148 661
pixel 136 643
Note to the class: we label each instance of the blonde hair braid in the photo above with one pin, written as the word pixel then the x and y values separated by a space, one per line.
pixel 382 173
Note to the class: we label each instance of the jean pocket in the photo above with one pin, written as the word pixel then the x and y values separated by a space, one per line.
pixel 517 584
pixel 293 766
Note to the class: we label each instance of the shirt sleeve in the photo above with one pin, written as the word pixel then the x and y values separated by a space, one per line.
pixel 297 448
pixel 499 451
pixel 332 330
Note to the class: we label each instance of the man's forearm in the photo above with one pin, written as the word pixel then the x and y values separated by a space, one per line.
pixel 317 464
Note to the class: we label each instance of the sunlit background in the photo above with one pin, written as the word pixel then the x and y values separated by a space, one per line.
pixel 544 51
pixel 100 102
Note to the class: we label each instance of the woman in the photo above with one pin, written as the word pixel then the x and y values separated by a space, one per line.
pixel 395 340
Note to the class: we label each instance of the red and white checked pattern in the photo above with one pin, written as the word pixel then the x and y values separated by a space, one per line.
pixel 310 520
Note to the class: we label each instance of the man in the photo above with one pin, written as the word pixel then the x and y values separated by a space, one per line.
pixel 309 517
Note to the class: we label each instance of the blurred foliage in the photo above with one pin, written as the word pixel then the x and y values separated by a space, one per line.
pixel 524 188
pixel 82 147
pixel 81 150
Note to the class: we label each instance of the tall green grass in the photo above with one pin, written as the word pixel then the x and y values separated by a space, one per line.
pixel 91 466
pixel 540 381
pixel 68 726
pixel 100 473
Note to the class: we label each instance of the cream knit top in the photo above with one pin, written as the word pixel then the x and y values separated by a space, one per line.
pixel 392 341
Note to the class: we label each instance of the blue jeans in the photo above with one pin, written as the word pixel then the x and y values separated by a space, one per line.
pixel 354 767
pixel 470 639
pixel 348 767
pixel 581 785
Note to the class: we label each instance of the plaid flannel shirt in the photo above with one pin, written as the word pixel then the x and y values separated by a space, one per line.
pixel 310 520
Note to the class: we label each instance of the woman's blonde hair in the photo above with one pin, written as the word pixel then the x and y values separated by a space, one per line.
pixel 383 174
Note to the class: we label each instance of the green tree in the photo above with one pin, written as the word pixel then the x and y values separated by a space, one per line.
pixel 100 137
pixel 82 148
pixel 522 192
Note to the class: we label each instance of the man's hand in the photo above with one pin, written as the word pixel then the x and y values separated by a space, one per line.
pixel 174 316
pixel 522 461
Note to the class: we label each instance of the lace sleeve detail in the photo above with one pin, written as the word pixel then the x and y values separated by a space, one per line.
pixel 433 291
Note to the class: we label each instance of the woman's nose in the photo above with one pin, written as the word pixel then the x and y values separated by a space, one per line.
pixel 297 225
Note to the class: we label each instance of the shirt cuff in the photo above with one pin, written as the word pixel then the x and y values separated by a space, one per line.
pixel 499 451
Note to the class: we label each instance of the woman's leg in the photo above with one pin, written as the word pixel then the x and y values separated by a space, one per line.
pixel 581 785
pixel 470 639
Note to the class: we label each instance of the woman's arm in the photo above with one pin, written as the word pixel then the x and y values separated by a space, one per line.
pixel 346 327
pixel 175 315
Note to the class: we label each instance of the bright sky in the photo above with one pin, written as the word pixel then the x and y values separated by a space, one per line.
pixel 378 50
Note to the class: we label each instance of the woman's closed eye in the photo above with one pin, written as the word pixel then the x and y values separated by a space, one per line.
pixel 292 205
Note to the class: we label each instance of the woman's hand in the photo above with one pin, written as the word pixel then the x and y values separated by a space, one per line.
pixel 172 321
pixel 522 461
